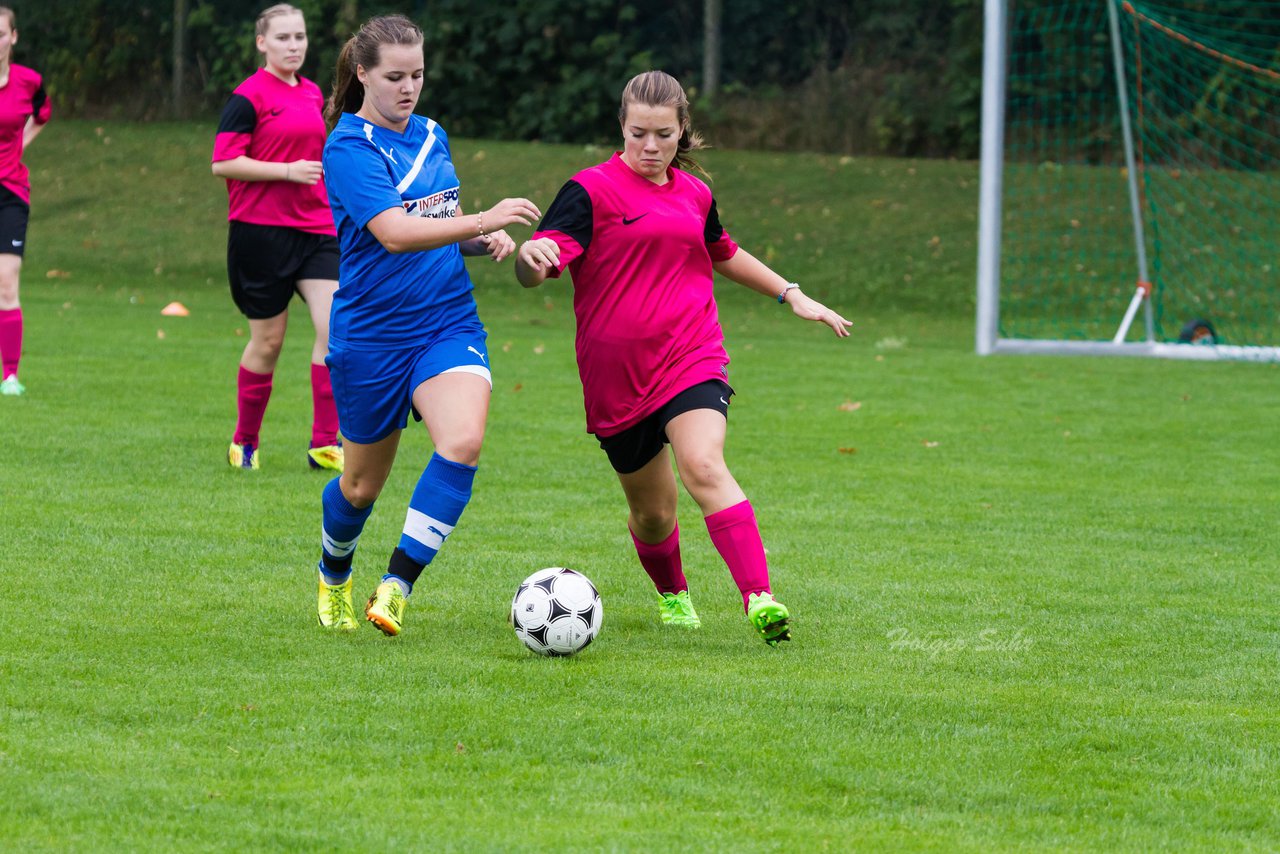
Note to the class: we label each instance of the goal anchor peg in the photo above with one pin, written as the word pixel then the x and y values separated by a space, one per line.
pixel 1143 292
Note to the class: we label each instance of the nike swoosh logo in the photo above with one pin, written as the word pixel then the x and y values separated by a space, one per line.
pixel 626 221
pixel 725 402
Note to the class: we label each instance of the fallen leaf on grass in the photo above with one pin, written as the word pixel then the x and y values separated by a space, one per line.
pixel 850 406
pixel 57 274
pixel 929 444
pixel 847 450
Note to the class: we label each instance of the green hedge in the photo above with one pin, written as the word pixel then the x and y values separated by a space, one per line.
pixel 876 76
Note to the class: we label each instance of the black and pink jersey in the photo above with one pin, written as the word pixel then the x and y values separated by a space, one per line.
pixel 22 98
pixel 267 119
pixel 640 256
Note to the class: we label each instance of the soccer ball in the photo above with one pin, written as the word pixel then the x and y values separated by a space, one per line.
pixel 556 611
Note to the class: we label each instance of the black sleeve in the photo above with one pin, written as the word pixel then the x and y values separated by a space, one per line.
pixel 238 116
pixel 570 214
pixel 38 99
pixel 713 230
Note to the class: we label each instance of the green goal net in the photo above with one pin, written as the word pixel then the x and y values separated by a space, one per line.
pixel 1184 195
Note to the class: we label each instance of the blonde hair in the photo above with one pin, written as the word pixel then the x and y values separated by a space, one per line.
pixel 264 20
pixel 660 89
pixel 364 49
pixel 6 12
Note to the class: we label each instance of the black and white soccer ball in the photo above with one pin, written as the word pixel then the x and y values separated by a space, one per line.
pixel 556 611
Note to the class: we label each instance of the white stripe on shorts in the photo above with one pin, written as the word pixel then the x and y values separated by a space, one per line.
pixel 478 370
pixel 430 532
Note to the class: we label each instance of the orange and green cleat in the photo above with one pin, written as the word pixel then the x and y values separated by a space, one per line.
pixel 326 457
pixel 386 608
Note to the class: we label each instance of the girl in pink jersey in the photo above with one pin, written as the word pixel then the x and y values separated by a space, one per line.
pixel 281 237
pixel 24 110
pixel 641 237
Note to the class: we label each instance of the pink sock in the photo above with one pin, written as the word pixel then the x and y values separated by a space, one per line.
pixel 324 413
pixel 736 536
pixel 252 393
pixel 662 562
pixel 10 341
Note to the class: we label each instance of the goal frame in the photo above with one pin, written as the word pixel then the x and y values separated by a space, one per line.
pixel 990 214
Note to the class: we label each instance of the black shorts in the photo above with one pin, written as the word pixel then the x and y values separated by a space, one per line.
pixel 633 448
pixel 14 213
pixel 266 262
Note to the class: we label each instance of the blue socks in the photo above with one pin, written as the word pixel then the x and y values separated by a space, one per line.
pixel 340 533
pixel 438 500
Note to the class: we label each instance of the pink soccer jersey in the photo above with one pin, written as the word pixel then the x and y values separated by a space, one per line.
pixel 640 257
pixel 267 119
pixel 22 98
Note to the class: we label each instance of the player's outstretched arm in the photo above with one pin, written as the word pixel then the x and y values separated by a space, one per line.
pixel 496 244
pixel 749 271
pixel 535 260
pixel 398 232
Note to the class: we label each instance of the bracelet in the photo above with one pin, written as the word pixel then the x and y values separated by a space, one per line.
pixel 480 224
pixel 782 297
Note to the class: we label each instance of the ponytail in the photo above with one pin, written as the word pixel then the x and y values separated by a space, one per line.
pixel 348 94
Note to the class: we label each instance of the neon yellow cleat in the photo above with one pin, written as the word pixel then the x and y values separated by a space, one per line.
pixel 769 617
pixel 326 457
pixel 386 608
pixel 334 608
pixel 676 609
pixel 243 456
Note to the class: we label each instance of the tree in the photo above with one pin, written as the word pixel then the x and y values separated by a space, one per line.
pixel 711 10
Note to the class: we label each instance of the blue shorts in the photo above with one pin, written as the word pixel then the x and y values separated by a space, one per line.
pixel 374 388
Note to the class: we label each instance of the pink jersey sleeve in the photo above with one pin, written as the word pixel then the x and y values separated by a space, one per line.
pixel 570 250
pixel 568 223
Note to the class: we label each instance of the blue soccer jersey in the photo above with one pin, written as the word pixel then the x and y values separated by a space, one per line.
pixel 387 300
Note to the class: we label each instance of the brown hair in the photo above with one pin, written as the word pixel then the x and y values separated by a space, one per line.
pixel 364 49
pixel 6 12
pixel 264 20
pixel 660 89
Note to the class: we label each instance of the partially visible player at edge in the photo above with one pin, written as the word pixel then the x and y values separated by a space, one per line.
pixel 405 332
pixel 641 236
pixel 281 235
pixel 24 111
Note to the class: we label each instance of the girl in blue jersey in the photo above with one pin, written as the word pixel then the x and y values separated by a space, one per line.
pixel 404 333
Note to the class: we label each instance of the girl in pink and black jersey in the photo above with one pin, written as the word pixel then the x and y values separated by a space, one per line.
pixel 281 237
pixel 24 110
pixel 641 237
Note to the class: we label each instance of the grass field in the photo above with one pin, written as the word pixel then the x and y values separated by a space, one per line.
pixel 1035 599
